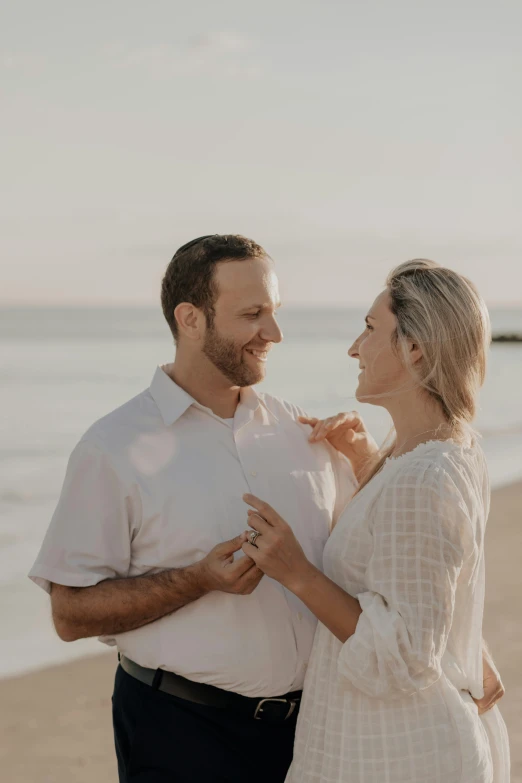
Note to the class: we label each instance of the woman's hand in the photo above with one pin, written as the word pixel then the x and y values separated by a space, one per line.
pixel 493 687
pixel 348 434
pixel 277 552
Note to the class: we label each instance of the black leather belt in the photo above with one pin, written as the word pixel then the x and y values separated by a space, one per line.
pixel 273 709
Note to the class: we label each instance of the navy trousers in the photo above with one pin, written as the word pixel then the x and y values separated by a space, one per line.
pixel 163 739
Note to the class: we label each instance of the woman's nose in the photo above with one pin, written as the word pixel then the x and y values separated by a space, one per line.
pixel 353 350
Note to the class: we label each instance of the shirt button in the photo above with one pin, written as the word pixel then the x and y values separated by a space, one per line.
pixel 253 473
pixel 299 616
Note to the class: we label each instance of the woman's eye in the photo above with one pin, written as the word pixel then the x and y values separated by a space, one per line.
pixel 369 328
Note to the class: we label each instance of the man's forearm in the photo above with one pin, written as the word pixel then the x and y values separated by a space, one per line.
pixel 118 605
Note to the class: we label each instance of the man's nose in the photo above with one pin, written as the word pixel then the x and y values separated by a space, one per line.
pixel 271 333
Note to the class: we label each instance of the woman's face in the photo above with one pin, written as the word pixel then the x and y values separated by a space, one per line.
pixel 382 371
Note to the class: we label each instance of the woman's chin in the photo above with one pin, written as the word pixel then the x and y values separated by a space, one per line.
pixel 362 394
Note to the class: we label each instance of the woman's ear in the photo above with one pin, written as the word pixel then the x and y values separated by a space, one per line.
pixel 415 353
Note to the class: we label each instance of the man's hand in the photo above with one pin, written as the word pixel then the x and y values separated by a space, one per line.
pixel 219 571
pixel 493 688
pixel 116 606
pixel 348 434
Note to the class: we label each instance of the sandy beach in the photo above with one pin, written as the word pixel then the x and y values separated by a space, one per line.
pixel 55 724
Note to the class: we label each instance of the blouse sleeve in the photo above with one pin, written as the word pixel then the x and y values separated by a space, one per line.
pixel 421 536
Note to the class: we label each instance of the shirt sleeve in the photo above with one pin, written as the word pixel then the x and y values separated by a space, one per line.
pixel 345 480
pixel 421 536
pixel 89 538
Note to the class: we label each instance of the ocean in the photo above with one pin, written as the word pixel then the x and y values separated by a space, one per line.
pixel 61 369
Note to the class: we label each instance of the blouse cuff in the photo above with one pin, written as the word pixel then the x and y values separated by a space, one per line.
pixel 378 658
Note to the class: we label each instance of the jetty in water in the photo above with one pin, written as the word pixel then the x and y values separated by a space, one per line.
pixel 508 337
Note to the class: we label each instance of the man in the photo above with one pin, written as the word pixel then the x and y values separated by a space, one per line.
pixel 144 547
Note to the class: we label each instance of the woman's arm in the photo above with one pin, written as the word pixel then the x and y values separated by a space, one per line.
pixel 422 536
pixel 334 607
pixel 395 631
pixel 279 555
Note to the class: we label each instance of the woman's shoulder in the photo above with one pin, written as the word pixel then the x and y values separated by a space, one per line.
pixel 447 467
pixel 439 455
pixel 436 464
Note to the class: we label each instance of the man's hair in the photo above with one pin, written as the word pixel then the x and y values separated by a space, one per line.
pixel 190 274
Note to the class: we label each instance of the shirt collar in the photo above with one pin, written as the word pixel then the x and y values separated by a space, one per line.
pixel 252 399
pixel 173 401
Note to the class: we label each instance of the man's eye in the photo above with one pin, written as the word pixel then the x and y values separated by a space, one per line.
pixel 252 315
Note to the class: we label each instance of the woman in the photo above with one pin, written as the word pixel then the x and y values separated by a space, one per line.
pixel 397 654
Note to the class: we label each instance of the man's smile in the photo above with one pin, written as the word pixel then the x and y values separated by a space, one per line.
pixel 261 355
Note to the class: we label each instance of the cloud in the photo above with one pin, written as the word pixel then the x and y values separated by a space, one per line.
pixel 222 52
pixel 18 61
pixel 221 43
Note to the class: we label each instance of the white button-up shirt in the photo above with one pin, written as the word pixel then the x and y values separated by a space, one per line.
pixel 156 484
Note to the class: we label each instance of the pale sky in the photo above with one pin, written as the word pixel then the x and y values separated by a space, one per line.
pixel 343 136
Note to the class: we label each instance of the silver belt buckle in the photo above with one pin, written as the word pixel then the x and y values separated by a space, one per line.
pixel 291 707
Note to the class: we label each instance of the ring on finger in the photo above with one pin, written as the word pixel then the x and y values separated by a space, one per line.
pixel 254 535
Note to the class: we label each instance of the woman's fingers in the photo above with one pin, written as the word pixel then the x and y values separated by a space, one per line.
pixel 326 427
pixel 258 523
pixel 312 421
pixel 493 692
pixel 320 430
pixel 323 428
pixel 265 511
pixel 315 431
pixel 250 550
pixel 351 436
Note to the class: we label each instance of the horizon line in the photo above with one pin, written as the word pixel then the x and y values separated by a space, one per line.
pixel 121 305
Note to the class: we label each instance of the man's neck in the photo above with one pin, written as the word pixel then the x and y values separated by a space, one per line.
pixel 211 392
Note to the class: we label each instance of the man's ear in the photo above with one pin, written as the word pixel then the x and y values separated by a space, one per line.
pixel 190 320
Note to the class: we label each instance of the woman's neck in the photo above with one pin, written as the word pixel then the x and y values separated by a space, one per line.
pixel 417 419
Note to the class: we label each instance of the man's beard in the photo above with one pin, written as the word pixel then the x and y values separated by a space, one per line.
pixel 229 359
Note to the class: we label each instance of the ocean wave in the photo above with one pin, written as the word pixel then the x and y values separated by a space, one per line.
pixel 24 498
pixel 493 432
pixel 66 379
pixel 24 453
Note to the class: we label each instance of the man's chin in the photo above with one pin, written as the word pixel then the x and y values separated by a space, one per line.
pixel 255 378
pixel 245 377
pixel 253 372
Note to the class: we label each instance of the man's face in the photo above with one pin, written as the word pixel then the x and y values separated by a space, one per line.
pixel 245 326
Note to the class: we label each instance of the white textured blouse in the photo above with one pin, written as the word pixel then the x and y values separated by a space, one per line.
pixel 393 704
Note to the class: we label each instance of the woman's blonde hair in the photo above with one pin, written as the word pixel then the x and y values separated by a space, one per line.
pixel 443 313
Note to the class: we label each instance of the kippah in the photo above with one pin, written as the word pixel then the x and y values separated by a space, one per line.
pixel 193 242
